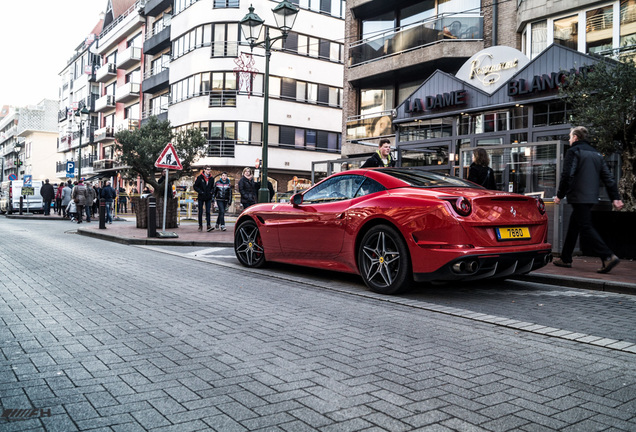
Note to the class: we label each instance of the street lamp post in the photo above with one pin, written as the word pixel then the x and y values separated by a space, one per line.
pixel 83 116
pixel 251 26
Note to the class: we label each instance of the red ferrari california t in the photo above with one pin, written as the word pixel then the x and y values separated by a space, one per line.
pixel 397 225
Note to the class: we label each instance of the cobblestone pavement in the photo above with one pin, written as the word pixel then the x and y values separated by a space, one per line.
pixel 102 336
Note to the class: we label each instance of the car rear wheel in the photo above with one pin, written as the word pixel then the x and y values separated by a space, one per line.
pixel 248 245
pixel 383 260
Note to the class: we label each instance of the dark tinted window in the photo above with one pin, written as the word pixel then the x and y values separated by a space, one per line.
pixel 419 178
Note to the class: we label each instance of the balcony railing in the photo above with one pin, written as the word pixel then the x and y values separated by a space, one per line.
pixel 103 164
pixel 62 115
pixel 221 148
pixel 127 92
pixel 448 27
pixel 128 124
pixel 104 103
pixel 223 98
pixel 106 72
pixel 104 134
pixel 128 57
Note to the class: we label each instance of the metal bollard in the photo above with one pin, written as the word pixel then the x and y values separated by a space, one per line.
pixel 102 214
pixel 21 203
pixel 152 216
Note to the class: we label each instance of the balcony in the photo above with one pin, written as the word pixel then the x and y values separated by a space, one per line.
pixel 104 134
pixel 62 115
pixel 105 103
pixel 156 83
pixel 129 57
pixel 105 73
pixel 155 7
pixel 128 92
pixel 102 165
pixel 128 124
pixel 157 42
pixel 448 27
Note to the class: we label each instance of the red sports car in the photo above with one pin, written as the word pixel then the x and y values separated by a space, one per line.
pixel 395 225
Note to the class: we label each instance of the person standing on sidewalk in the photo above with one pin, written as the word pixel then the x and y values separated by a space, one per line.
pixel 246 188
pixel 382 157
pixel 90 199
pixel 80 197
pixel 66 199
pixel 223 197
pixel 58 199
pixel 108 194
pixel 204 187
pixel 48 194
pixel 583 170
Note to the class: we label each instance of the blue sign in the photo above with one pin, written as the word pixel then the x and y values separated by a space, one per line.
pixel 70 169
pixel 28 180
pixel 13 177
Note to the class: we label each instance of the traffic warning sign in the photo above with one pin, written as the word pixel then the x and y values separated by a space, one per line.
pixel 169 159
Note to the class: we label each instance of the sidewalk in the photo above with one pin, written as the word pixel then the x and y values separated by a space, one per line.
pixel 583 273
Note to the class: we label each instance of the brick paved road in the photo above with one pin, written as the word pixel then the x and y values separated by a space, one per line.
pixel 112 337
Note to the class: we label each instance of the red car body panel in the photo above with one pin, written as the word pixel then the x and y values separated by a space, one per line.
pixel 327 234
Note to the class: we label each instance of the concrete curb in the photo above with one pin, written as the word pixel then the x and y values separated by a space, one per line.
pixel 150 241
pixel 577 282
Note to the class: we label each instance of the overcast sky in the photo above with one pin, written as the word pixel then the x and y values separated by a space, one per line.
pixel 37 38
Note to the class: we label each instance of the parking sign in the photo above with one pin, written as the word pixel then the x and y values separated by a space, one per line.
pixel 70 169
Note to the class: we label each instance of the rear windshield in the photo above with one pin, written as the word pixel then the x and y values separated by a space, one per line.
pixel 419 178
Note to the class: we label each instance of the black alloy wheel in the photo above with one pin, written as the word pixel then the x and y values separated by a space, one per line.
pixel 248 245
pixel 383 261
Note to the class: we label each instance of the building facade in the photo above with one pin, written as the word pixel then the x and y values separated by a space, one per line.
pixel 216 84
pixel 397 45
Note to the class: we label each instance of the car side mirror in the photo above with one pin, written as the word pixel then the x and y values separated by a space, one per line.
pixel 297 199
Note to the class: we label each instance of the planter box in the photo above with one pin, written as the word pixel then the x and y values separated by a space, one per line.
pixel 141 213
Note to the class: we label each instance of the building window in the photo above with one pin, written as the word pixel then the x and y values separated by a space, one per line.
pixel 566 32
pixel 223 4
pixel 539 38
pixel 598 29
pixel 225 43
pixel 549 114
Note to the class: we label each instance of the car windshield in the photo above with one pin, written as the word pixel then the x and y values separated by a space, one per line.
pixel 420 178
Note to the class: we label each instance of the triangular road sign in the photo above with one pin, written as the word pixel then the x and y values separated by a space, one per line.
pixel 169 159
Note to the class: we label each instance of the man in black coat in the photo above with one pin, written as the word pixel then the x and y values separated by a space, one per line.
pixel 204 187
pixel 382 157
pixel 48 193
pixel 583 170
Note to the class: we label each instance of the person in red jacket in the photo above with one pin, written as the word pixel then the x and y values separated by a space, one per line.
pixel 58 199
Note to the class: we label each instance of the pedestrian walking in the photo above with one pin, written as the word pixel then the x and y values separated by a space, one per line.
pixel 58 198
pixel 66 199
pixel 48 195
pixel 382 156
pixel 90 200
pixel 80 198
pixel 204 187
pixel 108 194
pixel 122 201
pixel 223 197
pixel 246 188
pixel 583 170
pixel 480 172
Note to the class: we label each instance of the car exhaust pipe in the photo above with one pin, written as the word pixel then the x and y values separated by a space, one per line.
pixel 459 267
pixel 466 267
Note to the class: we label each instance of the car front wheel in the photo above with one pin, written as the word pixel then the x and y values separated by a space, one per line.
pixel 383 261
pixel 248 245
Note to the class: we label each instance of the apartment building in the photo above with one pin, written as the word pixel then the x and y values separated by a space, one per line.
pixel 78 90
pixel 216 84
pixel 10 144
pixel 38 132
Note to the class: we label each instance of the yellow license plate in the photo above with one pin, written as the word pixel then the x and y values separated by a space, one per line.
pixel 513 233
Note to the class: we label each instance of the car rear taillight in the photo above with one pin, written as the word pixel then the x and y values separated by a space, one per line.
pixel 541 206
pixel 461 205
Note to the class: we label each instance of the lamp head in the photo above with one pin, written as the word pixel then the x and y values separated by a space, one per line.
pixel 285 15
pixel 83 113
pixel 251 26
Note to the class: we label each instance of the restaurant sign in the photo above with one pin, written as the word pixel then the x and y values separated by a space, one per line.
pixel 491 68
